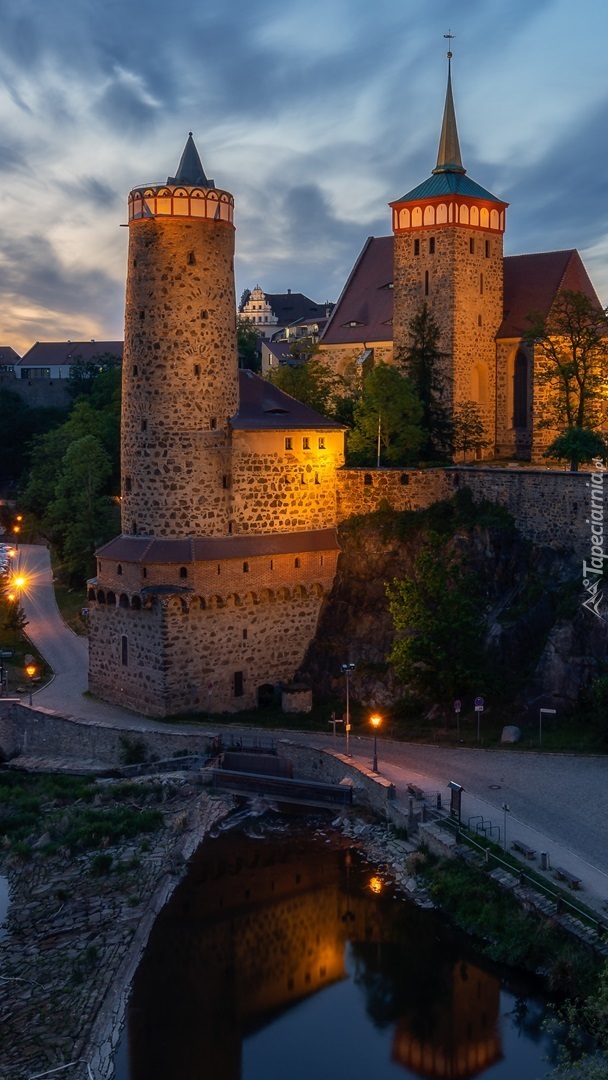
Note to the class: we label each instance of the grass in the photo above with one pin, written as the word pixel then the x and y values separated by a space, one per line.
pixel 70 603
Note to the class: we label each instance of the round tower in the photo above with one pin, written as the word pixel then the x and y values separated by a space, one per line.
pixel 180 363
pixel 448 253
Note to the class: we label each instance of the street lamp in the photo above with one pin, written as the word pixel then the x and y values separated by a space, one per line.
pixel 505 811
pixel 348 670
pixel 375 721
pixel 31 671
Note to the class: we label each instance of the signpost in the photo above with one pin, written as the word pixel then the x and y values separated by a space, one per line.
pixel 478 710
pixel 457 708
pixel 547 712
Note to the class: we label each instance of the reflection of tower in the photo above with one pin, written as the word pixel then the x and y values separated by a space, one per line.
pixel 464 1039
pixel 448 253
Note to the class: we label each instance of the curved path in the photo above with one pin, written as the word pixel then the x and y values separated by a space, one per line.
pixel 558 803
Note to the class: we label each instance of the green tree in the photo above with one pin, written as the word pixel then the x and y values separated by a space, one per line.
pixel 314 384
pixel 389 407
pixel 573 363
pixel 437 619
pixel 247 338
pixel 468 428
pixel 79 510
pixel 84 374
pixel 577 445
pixel 421 361
pixel 15 619
pixel 19 424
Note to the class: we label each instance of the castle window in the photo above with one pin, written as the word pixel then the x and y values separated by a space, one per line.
pixel 225 482
pixel 197 371
pixel 230 528
pixel 487 249
pixel 272 564
pixel 244 635
pixel 367 479
pixel 306 443
pixel 432 246
pixel 296 563
pixel 245 567
pixel 191 258
pixel 520 391
pixel 142 314
pixel 204 314
pixel 426 283
pixel 321 442
pixel 471 245
pixel 404 478
pixel 183 572
pixel 321 557
pixel 135 369
pixel 124 651
pixel 238 684
pixel 317 478
pixel 133 528
pixel 416 247
pixel 481 284
pixel 119 569
pixel 288 443
pixel 213 423
pixel 127 483
pixel 479 320
pixel 144 572
pixel 479 384
pixel 219 569
pixel 144 425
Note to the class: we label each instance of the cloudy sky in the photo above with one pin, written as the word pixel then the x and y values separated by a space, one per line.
pixel 313 113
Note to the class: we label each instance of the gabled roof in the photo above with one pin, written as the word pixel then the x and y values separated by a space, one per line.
pixel 532 282
pixel 281 350
pixel 367 298
pixel 295 307
pixel 263 407
pixel 60 353
pixel 8 356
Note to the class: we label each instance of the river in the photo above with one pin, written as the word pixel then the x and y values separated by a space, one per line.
pixel 284 955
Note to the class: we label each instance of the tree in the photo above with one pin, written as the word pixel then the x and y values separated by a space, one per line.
pixel 314 383
pixel 79 510
pixel 84 373
pixel 436 615
pixel 573 365
pixel 246 293
pixel 468 428
pixel 247 343
pixel 420 361
pixel 577 445
pixel 388 407
pixel 15 620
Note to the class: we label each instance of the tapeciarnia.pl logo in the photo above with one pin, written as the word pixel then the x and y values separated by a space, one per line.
pixel 593 571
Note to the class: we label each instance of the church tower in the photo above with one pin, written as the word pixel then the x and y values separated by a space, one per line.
pixel 448 252
pixel 180 364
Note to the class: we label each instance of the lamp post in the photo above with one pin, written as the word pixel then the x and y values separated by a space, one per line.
pixel 375 721
pixel 348 670
pixel 505 811
pixel 31 671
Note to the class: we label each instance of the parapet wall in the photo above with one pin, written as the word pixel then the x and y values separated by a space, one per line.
pixel 549 507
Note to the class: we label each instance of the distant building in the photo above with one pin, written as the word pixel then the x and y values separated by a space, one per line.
pixel 55 359
pixel 273 313
pixel 8 359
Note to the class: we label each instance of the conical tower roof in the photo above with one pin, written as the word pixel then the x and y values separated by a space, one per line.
pixel 448 157
pixel 190 172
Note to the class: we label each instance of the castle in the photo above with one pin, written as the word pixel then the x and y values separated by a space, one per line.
pixel 231 490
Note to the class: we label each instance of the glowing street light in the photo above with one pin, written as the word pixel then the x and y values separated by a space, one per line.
pixel 31 671
pixel 375 721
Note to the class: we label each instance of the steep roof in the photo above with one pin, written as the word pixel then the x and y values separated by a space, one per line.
pixel 367 298
pixel 59 353
pixel 532 282
pixel 448 156
pixel 190 170
pixel 263 407
pixel 295 307
pixel 8 356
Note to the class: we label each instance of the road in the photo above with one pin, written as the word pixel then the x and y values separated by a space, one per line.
pixel 558 803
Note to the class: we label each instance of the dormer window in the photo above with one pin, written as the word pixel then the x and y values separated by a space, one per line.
pixel 353 322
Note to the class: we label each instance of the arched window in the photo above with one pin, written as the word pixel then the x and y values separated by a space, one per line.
pixel 296 563
pixel 119 569
pixel 479 384
pixel 183 573
pixel 520 391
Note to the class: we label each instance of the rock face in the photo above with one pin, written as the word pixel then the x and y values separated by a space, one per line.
pixel 541 639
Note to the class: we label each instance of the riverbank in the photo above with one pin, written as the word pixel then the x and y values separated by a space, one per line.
pixel 76 928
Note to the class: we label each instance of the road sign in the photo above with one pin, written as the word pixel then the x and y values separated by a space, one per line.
pixel 478 702
pixel 457 706
pixel 479 708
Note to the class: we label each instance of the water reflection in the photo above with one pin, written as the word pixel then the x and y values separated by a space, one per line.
pixel 233 973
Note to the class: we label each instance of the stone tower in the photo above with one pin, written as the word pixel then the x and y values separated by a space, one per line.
pixel 180 377
pixel 209 598
pixel 448 251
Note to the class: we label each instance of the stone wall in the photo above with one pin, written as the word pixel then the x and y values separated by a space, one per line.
pixel 549 507
pixel 280 489
pixel 38 393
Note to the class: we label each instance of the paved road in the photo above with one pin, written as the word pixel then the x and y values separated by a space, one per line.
pixel 558 803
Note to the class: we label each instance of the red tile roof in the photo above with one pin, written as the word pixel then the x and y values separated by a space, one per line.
pixel 367 298
pixel 532 282
pixel 146 549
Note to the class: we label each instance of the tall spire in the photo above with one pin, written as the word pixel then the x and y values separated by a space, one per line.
pixel 448 158
pixel 190 170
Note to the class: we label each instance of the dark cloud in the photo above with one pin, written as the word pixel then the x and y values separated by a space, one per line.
pixel 92 190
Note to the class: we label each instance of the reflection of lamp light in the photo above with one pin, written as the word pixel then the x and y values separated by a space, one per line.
pixel 375 884
pixel 31 671
pixel 375 721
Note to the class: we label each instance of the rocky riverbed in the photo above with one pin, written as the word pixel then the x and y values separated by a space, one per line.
pixel 76 928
